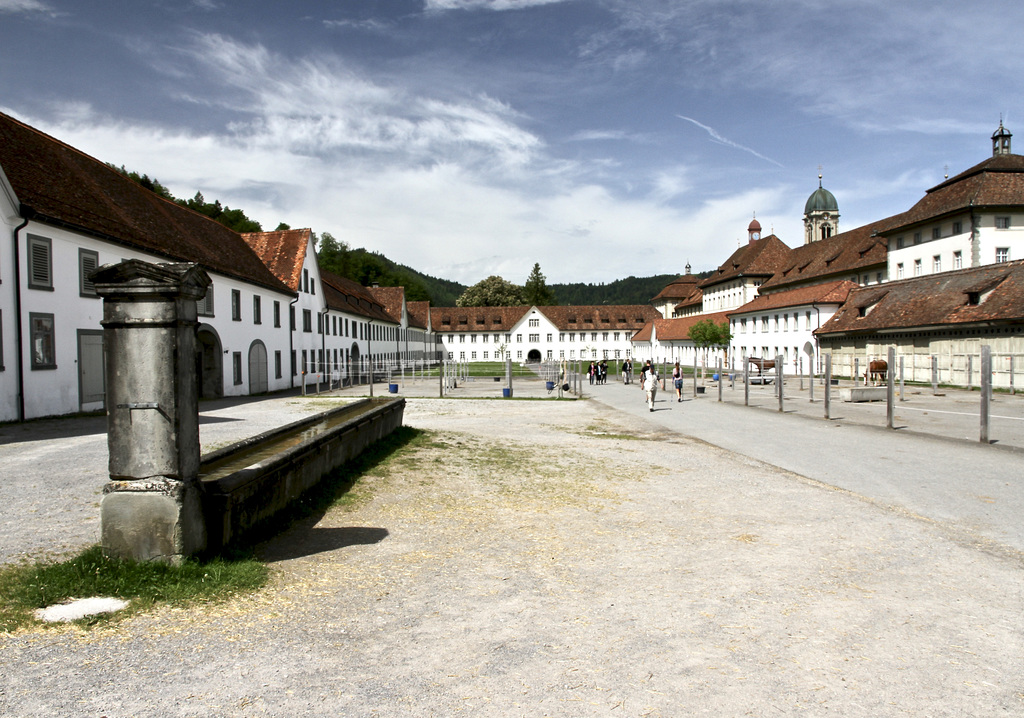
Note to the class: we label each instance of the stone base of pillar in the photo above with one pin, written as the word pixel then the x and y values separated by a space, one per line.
pixel 157 519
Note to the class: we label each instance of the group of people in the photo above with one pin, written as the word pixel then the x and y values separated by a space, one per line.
pixel 598 372
pixel 649 382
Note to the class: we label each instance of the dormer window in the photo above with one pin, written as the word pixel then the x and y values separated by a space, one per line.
pixel 973 299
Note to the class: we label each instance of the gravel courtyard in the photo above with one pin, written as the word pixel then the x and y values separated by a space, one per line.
pixel 549 558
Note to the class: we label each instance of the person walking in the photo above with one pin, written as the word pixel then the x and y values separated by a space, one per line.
pixel 627 371
pixel 677 381
pixel 650 385
pixel 591 372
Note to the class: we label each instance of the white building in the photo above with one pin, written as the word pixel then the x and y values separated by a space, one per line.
pixel 64 214
pixel 783 324
pixel 970 220
pixel 534 334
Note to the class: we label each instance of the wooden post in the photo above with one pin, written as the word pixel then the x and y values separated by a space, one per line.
pixel 779 374
pixel 986 390
pixel 902 396
pixel 721 380
pixel 746 381
pixel 890 408
pixel 695 372
pixel 1011 375
pixel 828 385
pixel 810 374
pixel 935 374
pixel 856 372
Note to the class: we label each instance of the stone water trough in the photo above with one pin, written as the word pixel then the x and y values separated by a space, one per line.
pixel 163 501
pixel 249 482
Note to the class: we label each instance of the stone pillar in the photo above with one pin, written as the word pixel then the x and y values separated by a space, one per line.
pixel 151 508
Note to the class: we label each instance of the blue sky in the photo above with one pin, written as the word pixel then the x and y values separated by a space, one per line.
pixel 600 138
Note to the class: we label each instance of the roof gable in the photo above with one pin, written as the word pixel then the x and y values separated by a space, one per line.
pixel 57 184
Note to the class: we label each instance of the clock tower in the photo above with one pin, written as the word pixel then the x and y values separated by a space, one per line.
pixel 754 230
pixel 821 215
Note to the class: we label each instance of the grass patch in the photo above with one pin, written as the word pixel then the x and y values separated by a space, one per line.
pixel 25 588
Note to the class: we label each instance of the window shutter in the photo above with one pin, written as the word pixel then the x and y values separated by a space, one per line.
pixel 88 265
pixel 39 263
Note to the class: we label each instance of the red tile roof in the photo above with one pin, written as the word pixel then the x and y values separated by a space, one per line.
pixel 283 251
pixel 996 182
pixel 344 295
pixel 59 185
pixel 677 329
pixel 834 292
pixel 761 257
pixel 680 290
pixel 992 294
pixel 475 319
pixel 839 256
pixel 418 313
pixel 628 317
pixel 391 298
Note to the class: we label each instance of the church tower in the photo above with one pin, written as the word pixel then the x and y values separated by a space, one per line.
pixel 821 215
pixel 1001 141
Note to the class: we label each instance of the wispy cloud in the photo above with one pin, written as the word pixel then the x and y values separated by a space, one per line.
pixel 25 6
pixel 717 137
pixel 441 5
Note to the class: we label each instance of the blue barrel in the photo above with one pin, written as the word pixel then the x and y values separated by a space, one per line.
pixel 714 377
pixel 393 388
pixel 506 392
pixel 549 385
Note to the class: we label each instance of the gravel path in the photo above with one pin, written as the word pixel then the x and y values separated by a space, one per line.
pixel 540 558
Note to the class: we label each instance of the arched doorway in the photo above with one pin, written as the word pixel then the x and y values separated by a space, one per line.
pixel 533 357
pixel 209 363
pixel 257 368
pixel 353 365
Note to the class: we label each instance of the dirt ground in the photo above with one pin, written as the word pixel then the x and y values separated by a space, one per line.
pixel 541 558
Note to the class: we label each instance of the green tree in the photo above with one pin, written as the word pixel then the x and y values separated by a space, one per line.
pixel 705 335
pixel 492 292
pixel 536 291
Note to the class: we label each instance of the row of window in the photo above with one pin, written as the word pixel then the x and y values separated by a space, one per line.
pixel 955 229
pixel 781 323
pixel 498 356
pixel 536 337
pixel 1002 255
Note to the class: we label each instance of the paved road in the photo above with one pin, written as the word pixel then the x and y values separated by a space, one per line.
pixel 975 491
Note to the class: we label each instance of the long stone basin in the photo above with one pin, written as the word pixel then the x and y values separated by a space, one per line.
pixel 249 482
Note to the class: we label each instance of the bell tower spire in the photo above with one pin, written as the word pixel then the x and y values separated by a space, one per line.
pixel 1001 140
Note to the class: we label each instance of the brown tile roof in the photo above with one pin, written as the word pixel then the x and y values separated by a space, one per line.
pixel 418 313
pixel 625 317
pixel 391 298
pixel 834 292
pixel 677 329
pixel 761 257
pixel 839 256
pixel 475 319
pixel 996 182
pixel 56 184
pixel 993 293
pixel 681 289
pixel 613 317
pixel 284 252
pixel 344 295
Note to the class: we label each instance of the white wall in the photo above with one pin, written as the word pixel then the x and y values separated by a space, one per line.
pixel 54 391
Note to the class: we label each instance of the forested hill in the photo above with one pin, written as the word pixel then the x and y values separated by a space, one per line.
pixel 631 290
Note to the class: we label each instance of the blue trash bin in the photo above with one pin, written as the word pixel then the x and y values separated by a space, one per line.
pixel 393 388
